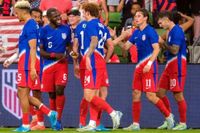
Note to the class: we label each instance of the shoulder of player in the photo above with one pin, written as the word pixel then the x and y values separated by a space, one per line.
pixel 31 22
pixel 176 30
pixel 82 24
pixel 150 31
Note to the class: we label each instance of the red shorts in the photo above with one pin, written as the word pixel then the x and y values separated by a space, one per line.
pixel 146 82
pixel 94 79
pixel 24 80
pixel 172 82
pixel 58 75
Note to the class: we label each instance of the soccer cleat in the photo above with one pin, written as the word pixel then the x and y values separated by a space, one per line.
pixel 87 128
pixel 59 126
pixel 181 126
pixel 163 126
pixel 33 123
pixel 53 119
pixel 101 128
pixel 81 126
pixel 116 119
pixel 170 121
pixel 132 127
pixel 22 129
pixel 38 127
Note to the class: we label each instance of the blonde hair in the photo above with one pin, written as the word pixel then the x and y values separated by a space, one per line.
pixel 23 4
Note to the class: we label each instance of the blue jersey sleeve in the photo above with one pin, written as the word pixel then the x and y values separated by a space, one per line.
pixel 153 36
pixel 131 39
pixel 177 37
pixel 32 30
pixel 92 29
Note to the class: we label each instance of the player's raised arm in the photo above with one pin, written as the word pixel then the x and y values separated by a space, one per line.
pixel 123 35
pixel 110 46
pixel 185 26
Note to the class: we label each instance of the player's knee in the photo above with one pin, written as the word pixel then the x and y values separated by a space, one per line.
pixel 161 93
pixel 37 94
pixel 59 92
pixel 178 96
pixel 87 98
pixel 136 95
pixel 150 96
pixel 52 95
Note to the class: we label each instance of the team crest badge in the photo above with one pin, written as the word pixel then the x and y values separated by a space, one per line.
pixel 143 37
pixel 64 35
pixel 9 100
pixel 169 39
pixel 84 26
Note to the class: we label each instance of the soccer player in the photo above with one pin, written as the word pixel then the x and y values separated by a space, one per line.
pixel 145 76
pixel 37 122
pixel 91 38
pixel 174 76
pixel 27 77
pixel 55 37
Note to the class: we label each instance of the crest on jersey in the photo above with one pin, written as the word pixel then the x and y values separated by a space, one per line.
pixel 64 36
pixel 143 37
pixel 169 39
pixel 9 100
pixel 84 26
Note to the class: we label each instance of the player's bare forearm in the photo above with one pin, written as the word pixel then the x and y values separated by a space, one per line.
pixel 156 50
pixel 120 6
pixel 75 45
pixel 185 26
pixel 104 6
pixel 172 49
pixel 110 49
pixel 93 45
pixel 118 39
pixel 33 48
pixel 13 57
pixel 43 53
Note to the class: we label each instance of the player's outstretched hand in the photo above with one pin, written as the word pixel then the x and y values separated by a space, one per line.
pixel 7 63
pixel 33 74
pixel 146 68
pixel 74 55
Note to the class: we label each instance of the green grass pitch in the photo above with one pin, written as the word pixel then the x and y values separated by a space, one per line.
pixel 73 130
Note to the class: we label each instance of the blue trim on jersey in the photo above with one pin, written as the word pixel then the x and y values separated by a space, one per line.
pixel 27 55
pixel 93 67
pixel 26 75
pixel 179 58
pixel 155 73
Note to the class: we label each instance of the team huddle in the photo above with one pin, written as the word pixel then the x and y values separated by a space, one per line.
pixel 43 67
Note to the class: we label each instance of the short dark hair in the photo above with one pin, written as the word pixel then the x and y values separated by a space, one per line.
pixel 92 8
pixel 36 10
pixel 145 13
pixel 166 14
pixel 136 3
pixel 50 10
